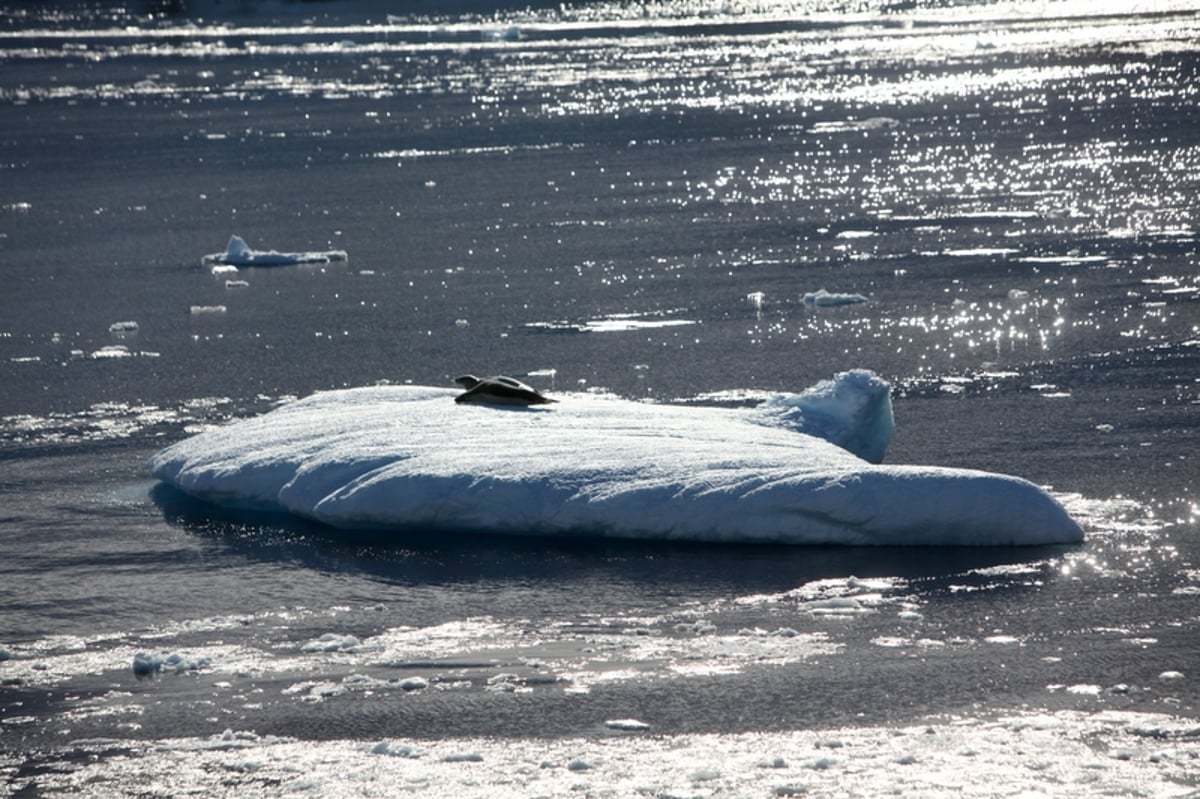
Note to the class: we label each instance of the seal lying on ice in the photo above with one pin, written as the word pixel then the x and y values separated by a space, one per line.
pixel 498 390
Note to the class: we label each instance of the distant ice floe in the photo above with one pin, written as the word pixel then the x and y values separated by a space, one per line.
pixel 612 323
pixel 797 469
pixel 825 299
pixel 855 125
pixel 238 253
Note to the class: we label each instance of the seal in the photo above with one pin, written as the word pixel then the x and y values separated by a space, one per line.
pixel 498 390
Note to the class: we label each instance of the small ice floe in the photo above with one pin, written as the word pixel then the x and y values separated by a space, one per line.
pixel 510 33
pixel 503 683
pixel 331 642
pixel 148 663
pixel 696 627
pixel 414 684
pixel 224 269
pixel 1171 676
pixel 628 725
pixel 237 284
pixel 463 757
pixel 835 606
pixel 120 328
pixel 5 654
pixel 238 253
pixel 826 299
pixel 855 125
pixel 205 310
pixel 579 764
pixel 393 750
pixel 111 352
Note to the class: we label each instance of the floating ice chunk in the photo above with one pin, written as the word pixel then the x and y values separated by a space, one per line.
pixel 855 125
pixel 860 584
pixel 224 269
pixel 629 725
pixel 579 764
pixel 238 253
pixel 147 663
pixel 123 327
pixel 1169 676
pixel 5 654
pixel 237 284
pixel 393 750
pixel 414 683
pixel 835 606
pixel 1084 689
pixel 789 471
pixel 332 642
pixel 463 757
pixel 202 310
pixel 110 352
pixel 825 299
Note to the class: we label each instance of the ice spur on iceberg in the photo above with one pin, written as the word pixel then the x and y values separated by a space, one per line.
pixel 796 469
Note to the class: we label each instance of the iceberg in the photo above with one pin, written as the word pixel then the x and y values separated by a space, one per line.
pixel 238 253
pixel 797 469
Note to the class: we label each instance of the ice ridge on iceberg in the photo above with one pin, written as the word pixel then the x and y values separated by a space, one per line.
pixel 238 253
pixel 410 458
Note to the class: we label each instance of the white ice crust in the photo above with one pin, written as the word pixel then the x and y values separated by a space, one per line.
pixel 238 253
pixel 410 458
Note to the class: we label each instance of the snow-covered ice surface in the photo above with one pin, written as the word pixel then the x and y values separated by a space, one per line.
pixel 624 205
pixel 411 458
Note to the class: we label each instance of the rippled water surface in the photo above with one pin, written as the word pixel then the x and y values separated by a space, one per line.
pixel 645 199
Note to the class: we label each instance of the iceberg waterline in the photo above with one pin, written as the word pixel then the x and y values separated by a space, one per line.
pixel 407 457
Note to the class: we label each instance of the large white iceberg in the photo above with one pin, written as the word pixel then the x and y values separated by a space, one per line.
pixel 238 253
pixel 410 458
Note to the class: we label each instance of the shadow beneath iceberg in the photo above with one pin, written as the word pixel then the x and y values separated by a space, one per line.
pixel 447 557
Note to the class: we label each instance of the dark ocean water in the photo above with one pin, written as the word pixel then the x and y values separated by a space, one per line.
pixel 631 198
